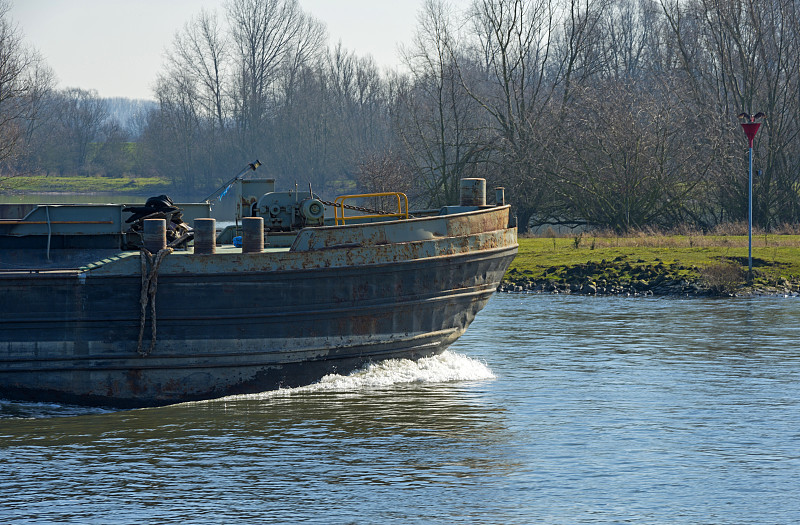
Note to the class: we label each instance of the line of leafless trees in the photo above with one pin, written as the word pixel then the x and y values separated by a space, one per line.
pixel 597 113
pixel 611 113
pixel 44 130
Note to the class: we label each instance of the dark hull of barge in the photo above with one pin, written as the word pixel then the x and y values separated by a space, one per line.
pixel 238 323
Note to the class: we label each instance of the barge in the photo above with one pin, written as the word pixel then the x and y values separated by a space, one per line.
pixel 131 306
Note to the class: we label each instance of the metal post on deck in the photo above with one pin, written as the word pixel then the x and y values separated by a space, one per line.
pixel 205 240
pixel 252 234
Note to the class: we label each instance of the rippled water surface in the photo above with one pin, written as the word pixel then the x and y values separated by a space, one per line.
pixel 549 410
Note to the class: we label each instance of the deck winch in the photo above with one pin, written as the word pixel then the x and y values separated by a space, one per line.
pixel 290 210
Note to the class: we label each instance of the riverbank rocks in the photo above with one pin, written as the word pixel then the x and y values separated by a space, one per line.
pixel 619 277
pixel 642 289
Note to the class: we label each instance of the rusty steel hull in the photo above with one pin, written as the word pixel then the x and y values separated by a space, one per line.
pixel 232 323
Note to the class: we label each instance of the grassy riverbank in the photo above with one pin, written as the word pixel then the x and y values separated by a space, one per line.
pixel 656 265
pixel 84 184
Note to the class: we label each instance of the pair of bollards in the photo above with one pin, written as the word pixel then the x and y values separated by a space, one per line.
pixel 154 235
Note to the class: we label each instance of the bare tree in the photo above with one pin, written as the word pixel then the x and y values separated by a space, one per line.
pixel 81 115
pixel 24 81
pixel 200 53
pixel 630 42
pixel 195 95
pixel 442 129
pixel 630 157
pixel 385 172
pixel 113 157
pixel 269 36
pixel 580 53
pixel 335 116
pixel 745 56
pixel 513 43
pixel 175 133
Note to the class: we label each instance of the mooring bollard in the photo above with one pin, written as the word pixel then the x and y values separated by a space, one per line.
pixel 473 192
pixel 205 236
pixel 154 235
pixel 252 234
pixel 500 196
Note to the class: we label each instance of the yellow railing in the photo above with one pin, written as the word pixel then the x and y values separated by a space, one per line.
pixel 401 200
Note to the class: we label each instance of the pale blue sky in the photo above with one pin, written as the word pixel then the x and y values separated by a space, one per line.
pixel 116 46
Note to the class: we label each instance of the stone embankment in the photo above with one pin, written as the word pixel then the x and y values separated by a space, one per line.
pixel 624 279
pixel 604 287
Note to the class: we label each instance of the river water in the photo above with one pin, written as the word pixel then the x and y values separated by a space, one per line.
pixel 551 409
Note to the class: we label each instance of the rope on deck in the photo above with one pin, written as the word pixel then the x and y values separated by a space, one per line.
pixel 150 264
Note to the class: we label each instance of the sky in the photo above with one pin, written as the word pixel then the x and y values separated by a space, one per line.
pixel 116 47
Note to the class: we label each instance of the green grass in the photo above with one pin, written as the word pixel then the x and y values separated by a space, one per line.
pixel 83 184
pixel 645 257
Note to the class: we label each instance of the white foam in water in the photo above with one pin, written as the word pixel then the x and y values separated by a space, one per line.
pixel 445 367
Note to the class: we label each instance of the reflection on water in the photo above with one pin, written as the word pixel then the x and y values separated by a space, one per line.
pixel 549 410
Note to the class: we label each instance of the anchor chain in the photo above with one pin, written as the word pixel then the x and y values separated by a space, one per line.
pixel 150 264
pixel 354 208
